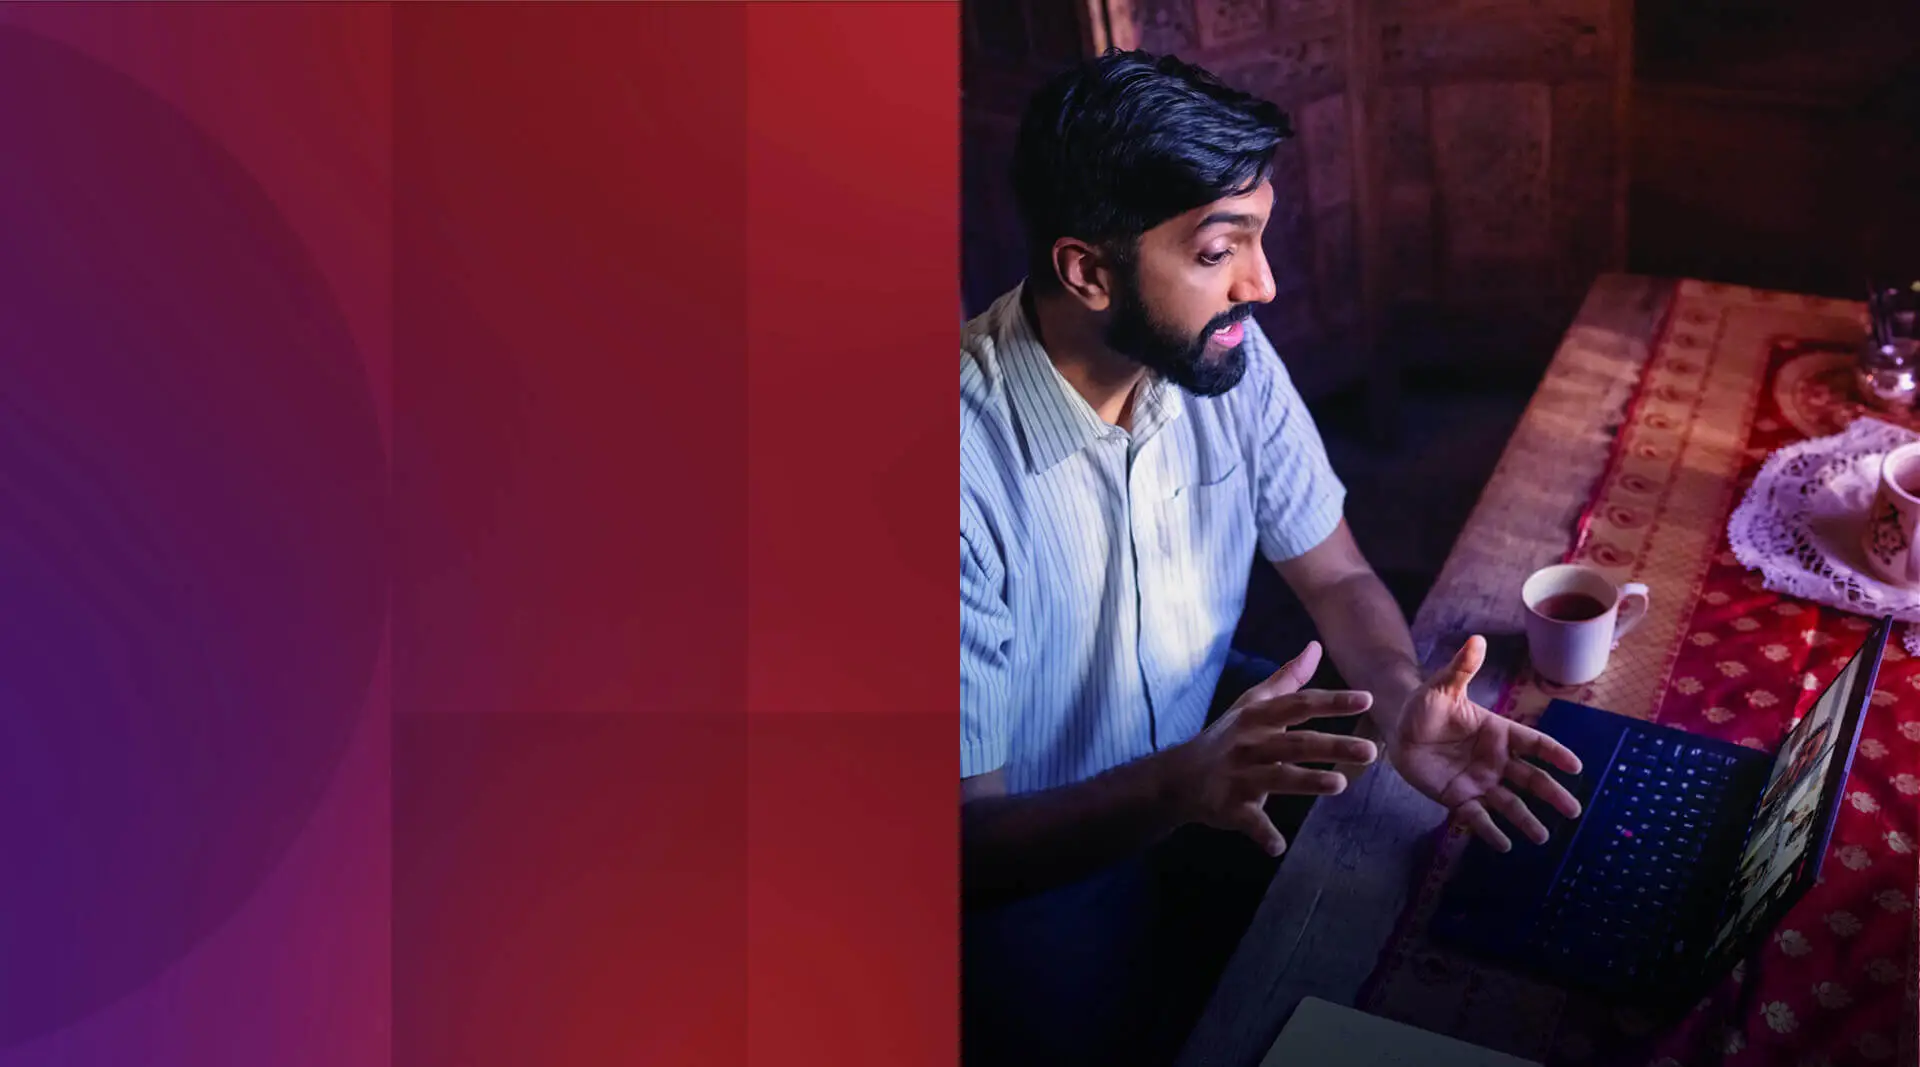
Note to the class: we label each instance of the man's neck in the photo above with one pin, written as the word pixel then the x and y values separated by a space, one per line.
pixel 1107 380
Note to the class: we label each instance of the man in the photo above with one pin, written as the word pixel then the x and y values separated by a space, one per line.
pixel 1129 440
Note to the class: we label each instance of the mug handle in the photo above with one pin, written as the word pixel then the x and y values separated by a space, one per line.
pixel 1633 608
pixel 1909 564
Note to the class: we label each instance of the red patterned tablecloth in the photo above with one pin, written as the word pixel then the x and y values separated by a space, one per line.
pixel 1735 375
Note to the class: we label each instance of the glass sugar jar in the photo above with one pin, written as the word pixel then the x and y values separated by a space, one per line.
pixel 1889 366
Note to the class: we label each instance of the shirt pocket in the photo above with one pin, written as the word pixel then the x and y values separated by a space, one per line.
pixel 1201 463
pixel 1207 516
pixel 1203 484
pixel 1209 526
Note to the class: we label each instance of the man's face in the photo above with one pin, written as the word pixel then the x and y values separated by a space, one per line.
pixel 1180 305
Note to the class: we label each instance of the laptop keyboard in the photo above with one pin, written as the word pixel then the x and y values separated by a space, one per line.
pixel 1621 889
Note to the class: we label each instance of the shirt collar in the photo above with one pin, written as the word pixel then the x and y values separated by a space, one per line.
pixel 1055 419
pixel 1157 405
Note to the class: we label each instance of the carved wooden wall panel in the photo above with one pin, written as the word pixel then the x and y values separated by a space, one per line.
pixel 1490 157
pixel 1166 26
pixel 1310 65
pixel 1501 122
pixel 1546 41
pixel 1585 166
pixel 1407 149
pixel 1327 141
pixel 1229 22
pixel 1406 171
pixel 1302 10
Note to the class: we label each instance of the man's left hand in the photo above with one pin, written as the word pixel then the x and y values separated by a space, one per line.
pixel 1471 761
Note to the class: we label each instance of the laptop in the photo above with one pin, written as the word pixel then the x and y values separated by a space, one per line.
pixel 1324 1034
pixel 1688 851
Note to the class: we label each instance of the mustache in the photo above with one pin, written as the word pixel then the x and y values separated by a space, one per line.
pixel 1228 318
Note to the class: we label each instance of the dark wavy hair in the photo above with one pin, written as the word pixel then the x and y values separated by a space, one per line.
pixel 1113 147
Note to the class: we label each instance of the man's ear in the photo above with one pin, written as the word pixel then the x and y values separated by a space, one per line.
pixel 1085 272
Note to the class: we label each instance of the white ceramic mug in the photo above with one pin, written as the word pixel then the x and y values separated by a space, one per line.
pixel 1576 617
pixel 1891 536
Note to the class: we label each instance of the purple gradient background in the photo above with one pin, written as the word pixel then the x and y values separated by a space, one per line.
pixel 195 353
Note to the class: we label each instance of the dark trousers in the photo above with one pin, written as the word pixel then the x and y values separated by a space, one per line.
pixel 1115 969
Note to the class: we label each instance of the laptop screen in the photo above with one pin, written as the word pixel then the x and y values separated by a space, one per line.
pixel 1789 823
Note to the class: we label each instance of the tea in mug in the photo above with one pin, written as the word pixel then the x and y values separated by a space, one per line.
pixel 1571 607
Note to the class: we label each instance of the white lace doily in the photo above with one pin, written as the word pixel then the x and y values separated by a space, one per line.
pixel 1799 525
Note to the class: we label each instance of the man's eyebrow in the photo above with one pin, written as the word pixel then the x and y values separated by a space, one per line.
pixel 1229 218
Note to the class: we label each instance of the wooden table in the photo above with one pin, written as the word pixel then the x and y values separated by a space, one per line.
pixel 1330 911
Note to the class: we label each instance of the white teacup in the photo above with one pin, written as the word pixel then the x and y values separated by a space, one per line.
pixel 1576 617
pixel 1891 536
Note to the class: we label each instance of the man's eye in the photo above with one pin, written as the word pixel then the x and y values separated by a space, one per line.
pixel 1214 259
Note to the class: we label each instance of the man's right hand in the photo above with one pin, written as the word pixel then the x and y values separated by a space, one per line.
pixel 1223 777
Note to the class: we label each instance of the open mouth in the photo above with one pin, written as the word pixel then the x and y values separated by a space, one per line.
pixel 1228 336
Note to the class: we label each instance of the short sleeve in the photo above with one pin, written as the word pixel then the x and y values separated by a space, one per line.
pixel 986 639
pixel 1298 500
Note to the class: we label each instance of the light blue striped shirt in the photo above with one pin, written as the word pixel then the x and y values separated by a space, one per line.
pixel 1103 572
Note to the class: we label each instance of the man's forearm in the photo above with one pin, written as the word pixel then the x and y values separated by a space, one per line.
pixel 1016 846
pixel 1367 636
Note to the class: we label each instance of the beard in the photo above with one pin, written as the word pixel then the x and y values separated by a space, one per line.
pixel 1183 359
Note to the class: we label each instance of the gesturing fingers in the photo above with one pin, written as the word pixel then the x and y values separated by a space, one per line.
pixel 1298 781
pixel 1288 679
pixel 1475 816
pixel 1515 811
pixel 1527 741
pixel 1543 785
pixel 1309 746
pixel 1307 704
pixel 1250 818
pixel 1455 676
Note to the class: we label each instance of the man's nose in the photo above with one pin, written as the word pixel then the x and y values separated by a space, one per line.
pixel 1253 285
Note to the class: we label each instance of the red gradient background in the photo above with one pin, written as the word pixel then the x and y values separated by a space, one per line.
pixel 674 768
pixel 655 306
